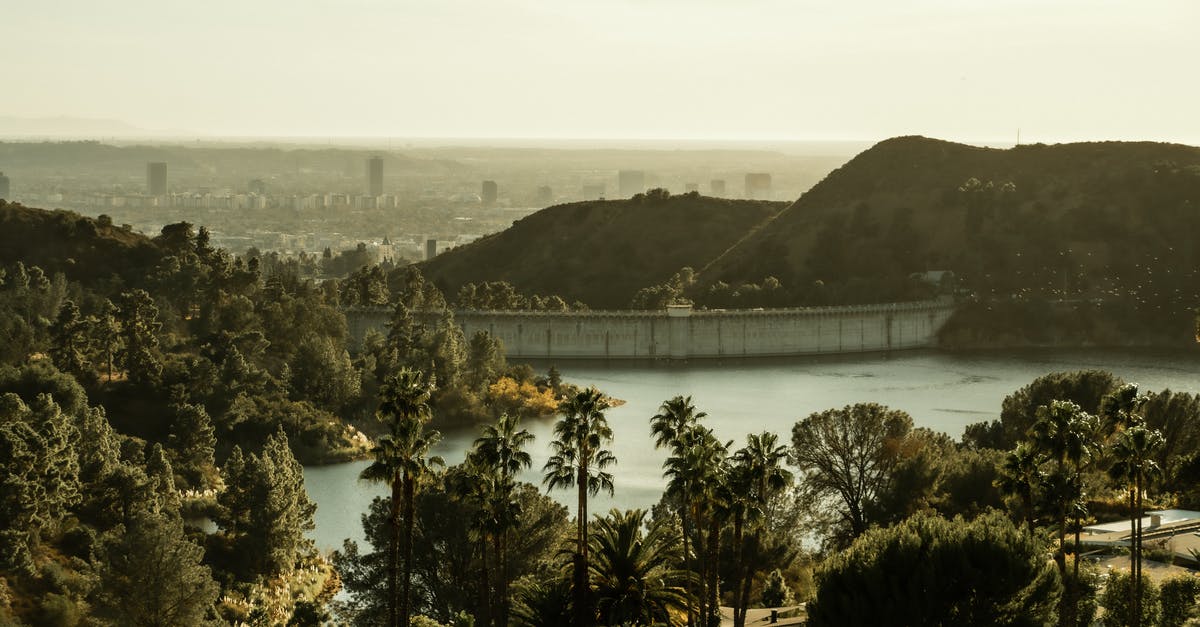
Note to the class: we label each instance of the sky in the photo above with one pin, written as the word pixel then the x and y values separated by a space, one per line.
pixel 966 70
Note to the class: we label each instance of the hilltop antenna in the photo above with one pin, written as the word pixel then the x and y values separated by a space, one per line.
pixel 1018 136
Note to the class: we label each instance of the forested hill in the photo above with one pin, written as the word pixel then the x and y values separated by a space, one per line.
pixel 83 249
pixel 911 204
pixel 1110 221
pixel 602 252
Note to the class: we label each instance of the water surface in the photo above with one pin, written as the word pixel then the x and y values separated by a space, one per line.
pixel 942 391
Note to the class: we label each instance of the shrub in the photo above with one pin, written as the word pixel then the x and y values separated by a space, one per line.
pixel 1117 594
pixel 1178 597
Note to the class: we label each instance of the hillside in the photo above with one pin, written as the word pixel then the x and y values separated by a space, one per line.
pixel 602 252
pixel 1103 222
pixel 83 249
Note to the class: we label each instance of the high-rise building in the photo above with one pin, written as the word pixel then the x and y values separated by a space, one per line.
pixel 490 192
pixel 758 186
pixel 375 176
pixel 716 188
pixel 4 191
pixel 430 248
pixel 593 192
pixel 545 195
pixel 156 178
pixel 631 182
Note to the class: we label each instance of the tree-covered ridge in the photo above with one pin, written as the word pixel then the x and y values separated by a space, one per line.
pixel 1064 243
pixel 188 386
pixel 602 252
pixel 257 345
pixel 89 250
pixel 92 521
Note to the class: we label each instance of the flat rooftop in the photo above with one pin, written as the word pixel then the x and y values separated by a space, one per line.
pixel 1168 517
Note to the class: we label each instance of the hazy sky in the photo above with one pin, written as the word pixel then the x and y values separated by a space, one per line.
pixel 736 69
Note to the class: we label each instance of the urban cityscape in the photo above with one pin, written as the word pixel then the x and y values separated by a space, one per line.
pixel 396 202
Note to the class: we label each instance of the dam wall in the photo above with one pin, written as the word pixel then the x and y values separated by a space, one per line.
pixel 680 332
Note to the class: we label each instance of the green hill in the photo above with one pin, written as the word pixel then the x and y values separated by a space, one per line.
pixel 1093 222
pixel 602 252
pixel 83 249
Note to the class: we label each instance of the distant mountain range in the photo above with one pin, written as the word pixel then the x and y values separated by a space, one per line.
pixel 76 128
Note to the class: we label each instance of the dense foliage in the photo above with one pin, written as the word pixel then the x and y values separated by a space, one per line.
pixel 133 403
pixel 931 571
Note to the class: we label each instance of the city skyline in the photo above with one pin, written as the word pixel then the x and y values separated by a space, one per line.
pixel 763 71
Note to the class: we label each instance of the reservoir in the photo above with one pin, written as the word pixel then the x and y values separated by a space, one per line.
pixel 943 391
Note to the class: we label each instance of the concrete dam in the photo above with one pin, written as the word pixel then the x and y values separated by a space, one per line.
pixel 680 332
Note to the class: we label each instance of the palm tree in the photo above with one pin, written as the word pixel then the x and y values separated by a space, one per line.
pixel 758 474
pixel 401 459
pixel 500 453
pixel 478 494
pixel 696 475
pixel 1134 464
pixel 1064 434
pixel 675 418
pixel 1020 477
pixel 543 603
pixel 579 461
pixel 633 571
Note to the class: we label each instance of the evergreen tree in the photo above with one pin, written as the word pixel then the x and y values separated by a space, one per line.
pixel 69 341
pixel 775 591
pixel 39 480
pixel 234 502
pixel 264 509
pixel 162 482
pixel 105 335
pixel 151 575
pixel 282 512
pixel 139 335
pixel 193 440
pixel 448 351
pixel 98 448
pixel 485 360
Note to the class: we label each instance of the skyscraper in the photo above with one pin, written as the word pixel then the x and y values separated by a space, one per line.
pixel 630 182
pixel 156 178
pixel 375 176
pixel 593 192
pixel 4 187
pixel 758 185
pixel 430 248
pixel 490 192
pixel 716 188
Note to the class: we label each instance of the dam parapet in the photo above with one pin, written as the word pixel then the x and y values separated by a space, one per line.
pixel 681 332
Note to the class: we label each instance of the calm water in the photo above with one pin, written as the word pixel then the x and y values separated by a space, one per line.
pixel 942 391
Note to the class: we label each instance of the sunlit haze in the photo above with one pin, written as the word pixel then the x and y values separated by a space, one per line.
pixel 672 69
